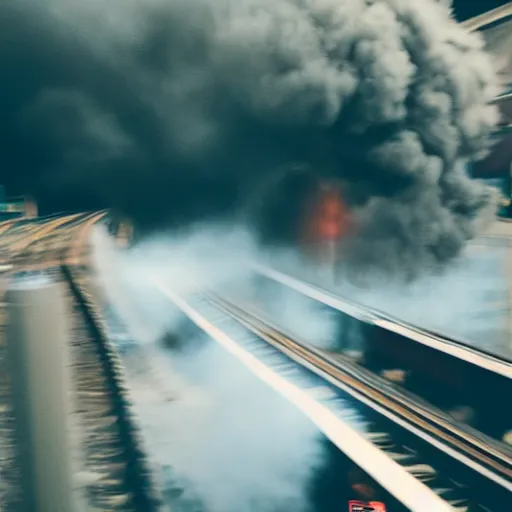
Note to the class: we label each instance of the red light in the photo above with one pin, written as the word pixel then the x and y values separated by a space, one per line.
pixel 366 506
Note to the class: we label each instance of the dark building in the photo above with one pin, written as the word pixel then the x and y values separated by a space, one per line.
pixel 496 29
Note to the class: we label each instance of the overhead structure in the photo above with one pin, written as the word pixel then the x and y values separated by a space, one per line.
pixel 495 26
pixel 488 18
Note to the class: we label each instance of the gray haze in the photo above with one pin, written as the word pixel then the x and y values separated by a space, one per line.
pixel 175 111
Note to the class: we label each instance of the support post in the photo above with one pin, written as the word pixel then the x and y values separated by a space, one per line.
pixel 37 336
pixel 329 260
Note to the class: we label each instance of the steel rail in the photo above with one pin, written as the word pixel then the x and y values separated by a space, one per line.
pixel 402 485
pixel 471 445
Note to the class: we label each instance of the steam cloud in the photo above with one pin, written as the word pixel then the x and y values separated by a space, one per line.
pixel 231 441
pixel 178 110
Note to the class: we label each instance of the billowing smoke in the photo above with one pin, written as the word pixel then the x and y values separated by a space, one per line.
pixel 175 111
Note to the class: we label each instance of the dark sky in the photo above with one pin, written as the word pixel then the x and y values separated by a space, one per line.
pixel 17 182
pixel 465 9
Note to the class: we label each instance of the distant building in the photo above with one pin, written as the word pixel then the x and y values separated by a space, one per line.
pixel 16 207
pixel 496 28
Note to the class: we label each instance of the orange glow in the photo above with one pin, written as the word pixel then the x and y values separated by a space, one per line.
pixel 329 218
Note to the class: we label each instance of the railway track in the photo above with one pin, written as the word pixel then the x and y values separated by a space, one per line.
pixel 449 374
pixel 398 440
pixel 113 473
pixel 16 246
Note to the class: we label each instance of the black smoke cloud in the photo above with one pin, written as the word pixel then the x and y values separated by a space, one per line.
pixel 174 111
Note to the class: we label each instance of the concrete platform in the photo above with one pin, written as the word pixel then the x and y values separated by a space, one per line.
pixel 499 229
pixel 472 301
pixel 498 239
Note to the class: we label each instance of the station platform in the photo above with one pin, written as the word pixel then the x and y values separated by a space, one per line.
pixel 479 292
pixel 498 240
pixel 471 301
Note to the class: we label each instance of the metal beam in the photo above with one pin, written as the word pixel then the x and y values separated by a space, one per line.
pixel 479 22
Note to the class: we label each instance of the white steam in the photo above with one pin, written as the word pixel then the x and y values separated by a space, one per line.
pixel 295 314
pixel 238 444
pixel 206 258
pixel 241 446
